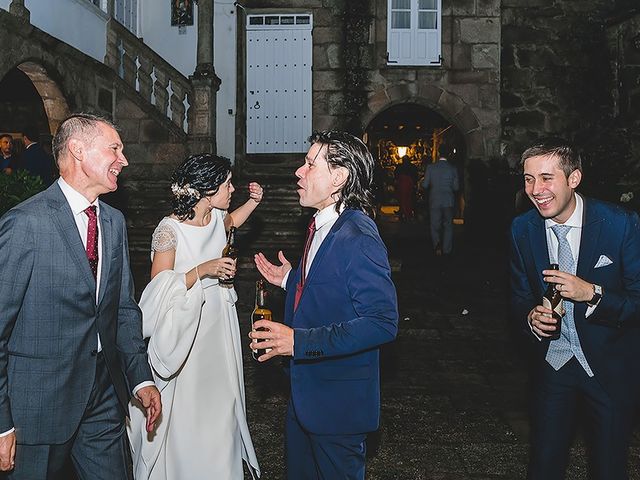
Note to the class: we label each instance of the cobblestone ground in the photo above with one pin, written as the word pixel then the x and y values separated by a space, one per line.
pixel 453 387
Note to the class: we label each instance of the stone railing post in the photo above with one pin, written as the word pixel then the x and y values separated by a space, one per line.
pixel 144 77
pixel 160 91
pixel 205 84
pixel 129 67
pixel 17 8
pixel 177 103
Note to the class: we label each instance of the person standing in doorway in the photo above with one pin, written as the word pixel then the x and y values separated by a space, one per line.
pixel 597 247
pixel 34 158
pixel 441 183
pixel 340 307
pixel 71 347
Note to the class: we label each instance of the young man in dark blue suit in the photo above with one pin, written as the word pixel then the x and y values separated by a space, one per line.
pixel 341 306
pixel 595 359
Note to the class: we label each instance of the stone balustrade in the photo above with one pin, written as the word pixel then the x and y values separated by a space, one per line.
pixel 144 70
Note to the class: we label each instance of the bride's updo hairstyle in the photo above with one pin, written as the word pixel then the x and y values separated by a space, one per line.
pixel 198 176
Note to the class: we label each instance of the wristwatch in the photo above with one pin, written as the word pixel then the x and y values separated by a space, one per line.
pixel 597 295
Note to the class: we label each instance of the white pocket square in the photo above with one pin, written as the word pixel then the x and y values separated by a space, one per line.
pixel 603 261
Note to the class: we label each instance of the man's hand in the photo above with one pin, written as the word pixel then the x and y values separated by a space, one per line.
pixel 569 286
pixel 277 337
pixel 149 397
pixel 7 451
pixel 274 274
pixel 542 322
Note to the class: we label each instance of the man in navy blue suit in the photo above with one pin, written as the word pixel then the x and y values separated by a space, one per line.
pixel 595 359
pixel 341 306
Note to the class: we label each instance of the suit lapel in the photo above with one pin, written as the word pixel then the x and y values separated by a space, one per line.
pixel 65 223
pixel 591 228
pixel 107 248
pixel 537 236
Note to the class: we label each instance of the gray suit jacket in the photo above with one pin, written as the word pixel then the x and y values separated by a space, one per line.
pixel 49 319
pixel 441 181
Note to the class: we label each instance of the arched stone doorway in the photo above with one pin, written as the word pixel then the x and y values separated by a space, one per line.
pixel 419 133
pixel 29 96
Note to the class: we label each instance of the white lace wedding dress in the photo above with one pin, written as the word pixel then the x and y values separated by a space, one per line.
pixel 195 352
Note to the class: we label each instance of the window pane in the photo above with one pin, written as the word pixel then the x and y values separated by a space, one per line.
pixel 302 20
pixel 272 20
pixel 427 21
pixel 400 19
pixel 401 4
pixel 428 4
pixel 286 20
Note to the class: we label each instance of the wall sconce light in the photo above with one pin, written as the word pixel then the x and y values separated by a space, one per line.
pixel 402 151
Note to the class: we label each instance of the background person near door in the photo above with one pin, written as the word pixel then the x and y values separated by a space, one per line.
pixel 441 183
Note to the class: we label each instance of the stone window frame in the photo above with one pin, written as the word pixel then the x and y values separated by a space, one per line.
pixel 413 33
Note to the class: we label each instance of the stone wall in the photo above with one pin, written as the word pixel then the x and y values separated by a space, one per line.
pixel 555 71
pixel 154 145
pixel 464 90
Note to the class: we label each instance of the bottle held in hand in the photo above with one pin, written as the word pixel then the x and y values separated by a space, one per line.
pixel 260 312
pixel 553 301
pixel 230 250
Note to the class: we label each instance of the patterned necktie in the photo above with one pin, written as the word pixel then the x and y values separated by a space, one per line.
pixel 92 239
pixel 561 350
pixel 311 230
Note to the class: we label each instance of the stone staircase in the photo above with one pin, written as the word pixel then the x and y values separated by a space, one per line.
pixel 279 222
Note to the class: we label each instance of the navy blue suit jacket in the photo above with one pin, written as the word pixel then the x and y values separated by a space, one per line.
pixel 610 336
pixel 348 308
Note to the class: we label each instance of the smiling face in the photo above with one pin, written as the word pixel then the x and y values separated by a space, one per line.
pixel 318 183
pixel 550 190
pixel 222 198
pixel 93 161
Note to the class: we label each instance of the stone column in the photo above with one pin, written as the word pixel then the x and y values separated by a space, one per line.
pixel 18 9
pixel 205 84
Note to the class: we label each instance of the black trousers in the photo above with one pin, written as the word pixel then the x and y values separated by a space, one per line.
pixel 608 424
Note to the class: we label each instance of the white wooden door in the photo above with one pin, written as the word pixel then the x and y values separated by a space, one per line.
pixel 278 85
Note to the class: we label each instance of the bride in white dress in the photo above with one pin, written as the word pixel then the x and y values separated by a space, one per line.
pixel 194 338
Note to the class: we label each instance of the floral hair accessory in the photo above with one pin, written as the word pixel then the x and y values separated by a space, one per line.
pixel 184 190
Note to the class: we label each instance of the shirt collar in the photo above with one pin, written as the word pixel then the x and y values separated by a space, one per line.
pixel 76 200
pixel 327 215
pixel 575 220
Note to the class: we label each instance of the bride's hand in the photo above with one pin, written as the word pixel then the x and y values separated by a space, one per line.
pixel 219 268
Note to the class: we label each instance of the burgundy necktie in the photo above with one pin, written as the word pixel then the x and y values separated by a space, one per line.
pixel 92 239
pixel 311 230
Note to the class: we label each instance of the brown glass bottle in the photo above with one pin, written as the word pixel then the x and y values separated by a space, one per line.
pixel 553 301
pixel 230 250
pixel 260 312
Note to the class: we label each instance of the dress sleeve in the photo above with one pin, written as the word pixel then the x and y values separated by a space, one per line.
pixel 164 238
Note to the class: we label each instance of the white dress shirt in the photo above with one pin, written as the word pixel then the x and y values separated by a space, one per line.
pixel 325 219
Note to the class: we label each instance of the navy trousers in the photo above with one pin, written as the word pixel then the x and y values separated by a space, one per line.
pixel 322 457
pixel 98 449
pixel 608 424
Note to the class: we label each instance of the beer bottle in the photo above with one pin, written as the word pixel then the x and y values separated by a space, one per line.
pixel 553 301
pixel 230 250
pixel 260 312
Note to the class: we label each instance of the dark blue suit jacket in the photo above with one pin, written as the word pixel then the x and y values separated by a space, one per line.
pixel 610 336
pixel 348 308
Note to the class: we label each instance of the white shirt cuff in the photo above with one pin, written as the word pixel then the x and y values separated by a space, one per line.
pixel 284 280
pixel 4 434
pixel 142 385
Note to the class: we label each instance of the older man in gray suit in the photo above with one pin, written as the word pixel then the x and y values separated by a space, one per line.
pixel 71 348
pixel 441 182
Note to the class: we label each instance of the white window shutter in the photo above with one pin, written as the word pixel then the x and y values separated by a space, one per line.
pixel 414 32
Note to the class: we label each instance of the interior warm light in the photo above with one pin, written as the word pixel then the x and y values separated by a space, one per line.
pixel 402 151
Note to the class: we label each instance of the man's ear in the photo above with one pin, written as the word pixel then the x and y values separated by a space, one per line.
pixel 574 179
pixel 76 149
pixel 339 176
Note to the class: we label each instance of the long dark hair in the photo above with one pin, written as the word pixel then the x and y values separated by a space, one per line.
pixel 197 176
pixel 345 150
